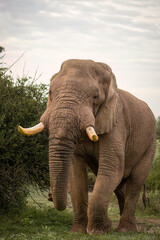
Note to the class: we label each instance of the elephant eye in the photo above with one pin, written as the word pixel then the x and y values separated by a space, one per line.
pixel 95 96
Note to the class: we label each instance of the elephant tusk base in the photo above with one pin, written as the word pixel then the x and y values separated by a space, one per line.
pixel 33 130
pixel 92 134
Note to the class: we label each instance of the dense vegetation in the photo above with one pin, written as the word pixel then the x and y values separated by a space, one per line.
pixel 153 181
pixel 23 160
pixel 158 128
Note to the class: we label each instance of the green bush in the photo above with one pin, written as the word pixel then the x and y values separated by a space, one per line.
pixel 158 128
pixel 23 159
pixel 153 181
pixel 153 205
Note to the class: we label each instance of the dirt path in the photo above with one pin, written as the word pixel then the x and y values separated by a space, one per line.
pixel 144 225
pixel 148 225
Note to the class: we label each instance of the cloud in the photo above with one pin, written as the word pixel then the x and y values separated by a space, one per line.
pixel 104 23
pixel 110 20
pixel 122 33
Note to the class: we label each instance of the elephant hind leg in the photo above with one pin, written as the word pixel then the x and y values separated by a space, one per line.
pixel 128 221
pixel 134 184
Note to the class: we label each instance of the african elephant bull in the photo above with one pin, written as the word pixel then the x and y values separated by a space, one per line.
pixel 84 100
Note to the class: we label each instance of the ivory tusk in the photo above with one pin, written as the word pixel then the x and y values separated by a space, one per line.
pixel 92 134
pixel 33 130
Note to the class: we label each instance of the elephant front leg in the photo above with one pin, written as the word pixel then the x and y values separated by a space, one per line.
pixel 106 182
pixel 78 189
pixel 98 220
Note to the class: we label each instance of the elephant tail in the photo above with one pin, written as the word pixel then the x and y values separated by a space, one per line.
pixel 145 199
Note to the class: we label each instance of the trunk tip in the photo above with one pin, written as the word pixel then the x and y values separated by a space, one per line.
pixel 60 207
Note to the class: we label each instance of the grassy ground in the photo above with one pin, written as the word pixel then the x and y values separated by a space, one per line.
pixel 43 222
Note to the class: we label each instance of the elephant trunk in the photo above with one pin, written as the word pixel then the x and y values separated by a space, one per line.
pixel 60 156
pixel 63 133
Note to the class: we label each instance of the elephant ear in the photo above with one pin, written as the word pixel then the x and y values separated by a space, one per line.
pixel 107 115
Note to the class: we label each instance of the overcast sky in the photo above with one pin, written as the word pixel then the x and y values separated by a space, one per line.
pixel 122 33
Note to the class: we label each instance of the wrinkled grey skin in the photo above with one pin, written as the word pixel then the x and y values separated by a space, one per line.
pixel 84 93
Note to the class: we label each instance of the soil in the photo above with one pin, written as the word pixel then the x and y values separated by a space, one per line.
pixel 144 225
pixel 148 225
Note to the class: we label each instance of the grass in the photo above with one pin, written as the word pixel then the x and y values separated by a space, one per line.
pixel 44 222
pixel 153 208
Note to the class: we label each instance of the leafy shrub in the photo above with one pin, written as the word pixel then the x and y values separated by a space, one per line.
pixel 158 128
pixel 153 181
pixel 153 206
pixel 23 159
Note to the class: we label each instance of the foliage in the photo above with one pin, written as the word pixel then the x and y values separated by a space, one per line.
pixel 158 128
pixel 153 206
pixel 1 63
pixel 23 159
pixel 153 181
pixel 1 49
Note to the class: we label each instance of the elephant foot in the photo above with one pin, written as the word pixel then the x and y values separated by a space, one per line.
pixel 78 228
pixel 127 226
pixel 99 228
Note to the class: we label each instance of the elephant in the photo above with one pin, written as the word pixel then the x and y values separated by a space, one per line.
pixel 91 122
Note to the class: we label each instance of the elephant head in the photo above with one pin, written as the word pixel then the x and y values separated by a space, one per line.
pixel 82 97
